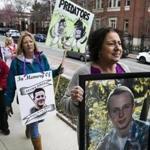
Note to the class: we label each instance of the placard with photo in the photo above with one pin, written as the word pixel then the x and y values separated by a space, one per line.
pixel 115 111
pixel 36 96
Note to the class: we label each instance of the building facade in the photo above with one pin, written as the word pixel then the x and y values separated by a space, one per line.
pixel 130 16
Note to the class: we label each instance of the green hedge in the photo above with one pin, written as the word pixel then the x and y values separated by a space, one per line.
pixel 63 83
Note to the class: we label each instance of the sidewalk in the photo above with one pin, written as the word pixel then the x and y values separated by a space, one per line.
pixel 56 135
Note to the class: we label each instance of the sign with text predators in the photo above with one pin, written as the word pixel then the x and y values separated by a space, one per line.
pixel 36 96
pixel 69 27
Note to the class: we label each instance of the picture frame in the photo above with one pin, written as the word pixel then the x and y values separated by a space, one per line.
pixel 93 116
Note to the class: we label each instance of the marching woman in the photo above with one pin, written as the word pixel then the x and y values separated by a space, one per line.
pixel 9 51
pixel 28 60
pixel 106 48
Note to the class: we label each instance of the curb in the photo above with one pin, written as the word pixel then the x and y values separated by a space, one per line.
pixel 66 120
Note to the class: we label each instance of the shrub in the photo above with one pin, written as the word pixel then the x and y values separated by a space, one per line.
pixel 62 86
pixel 63 83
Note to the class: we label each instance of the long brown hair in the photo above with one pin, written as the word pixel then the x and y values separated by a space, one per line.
pixel 20 49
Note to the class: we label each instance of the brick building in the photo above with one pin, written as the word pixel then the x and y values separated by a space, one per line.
pixel 130 16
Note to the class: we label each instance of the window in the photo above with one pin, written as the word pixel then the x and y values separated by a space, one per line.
pixel 127 3
pixel 113 22
pixel 126 25
pixel 97 24
pixel 83 3
pixel 148 29
pixel 114 3
pixel 99 4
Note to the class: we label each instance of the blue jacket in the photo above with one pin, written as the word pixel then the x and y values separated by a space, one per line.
pixel 19 67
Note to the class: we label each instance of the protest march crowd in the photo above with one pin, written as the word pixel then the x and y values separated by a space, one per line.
pixel 22 63
pixel 18 59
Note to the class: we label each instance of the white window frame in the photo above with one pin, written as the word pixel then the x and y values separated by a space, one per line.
pixel 98 7
pixel 112 22
pixel 114 3
pixel 97 23
pixel 128 1
pixel 98 4
pixel 127 6
pixel 126 23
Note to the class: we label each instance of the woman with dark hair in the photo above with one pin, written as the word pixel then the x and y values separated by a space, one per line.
pixel 106 48
pixel 28 60
pixel 97 39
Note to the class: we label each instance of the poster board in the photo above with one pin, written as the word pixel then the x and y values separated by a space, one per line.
pixel 36 96
pixel 94 121
pixel 69 27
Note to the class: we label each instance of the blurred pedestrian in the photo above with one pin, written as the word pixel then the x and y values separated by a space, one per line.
pixel 9 42
pixel 28 60
pixel 9 51
pixel 3 114
pixel 105 49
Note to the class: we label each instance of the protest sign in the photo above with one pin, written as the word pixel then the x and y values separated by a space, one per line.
pixel 36 96
pixel 100 117
pixel 69 27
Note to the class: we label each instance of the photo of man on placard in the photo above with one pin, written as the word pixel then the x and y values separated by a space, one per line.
pixel 39 98
pixel 39 110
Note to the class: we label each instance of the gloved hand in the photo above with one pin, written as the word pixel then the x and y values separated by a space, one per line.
pixel 60 69
pixel 9 110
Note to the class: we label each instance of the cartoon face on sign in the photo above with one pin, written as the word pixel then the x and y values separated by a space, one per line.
pixel 57 32
pixel 79 36
pixel 69 27
pixel 79 29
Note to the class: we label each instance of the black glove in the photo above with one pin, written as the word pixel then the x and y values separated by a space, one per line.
pixel 9 110
pixel 60 69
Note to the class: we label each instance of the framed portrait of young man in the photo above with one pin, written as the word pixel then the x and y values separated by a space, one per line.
pixel 115 111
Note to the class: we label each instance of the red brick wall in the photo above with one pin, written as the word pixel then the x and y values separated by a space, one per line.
pixel 138 16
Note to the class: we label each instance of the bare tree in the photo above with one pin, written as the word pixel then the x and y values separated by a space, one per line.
pixel 23 5
pixel 8 15
pixel 40 15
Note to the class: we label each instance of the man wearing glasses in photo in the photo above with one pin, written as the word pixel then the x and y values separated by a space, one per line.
pixel 127 133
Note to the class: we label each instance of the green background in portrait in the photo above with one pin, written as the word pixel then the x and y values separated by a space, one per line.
pixel 97 122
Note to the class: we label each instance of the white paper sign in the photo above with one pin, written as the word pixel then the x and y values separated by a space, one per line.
pixel 69 27
pixel 36 96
